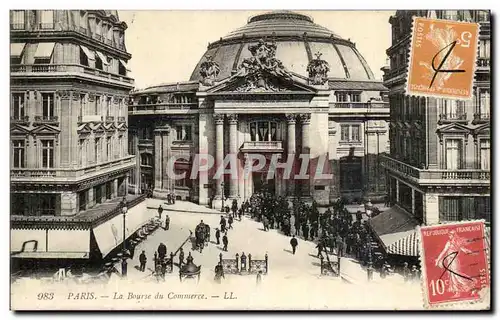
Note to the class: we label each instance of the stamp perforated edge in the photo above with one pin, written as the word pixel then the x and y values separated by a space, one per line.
pixel 410 93
pixel 423 284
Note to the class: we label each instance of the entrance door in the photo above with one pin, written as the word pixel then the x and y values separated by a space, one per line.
pixel 262 184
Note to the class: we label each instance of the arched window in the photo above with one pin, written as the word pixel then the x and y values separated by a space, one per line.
pixel 146 159
pixel 264 131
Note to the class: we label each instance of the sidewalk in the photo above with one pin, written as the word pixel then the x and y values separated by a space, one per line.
pixel 180 206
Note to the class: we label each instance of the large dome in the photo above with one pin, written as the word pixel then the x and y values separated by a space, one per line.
pixel 297 38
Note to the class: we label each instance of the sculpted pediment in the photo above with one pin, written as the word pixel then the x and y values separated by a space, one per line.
pixel 19 130
pixel 45 129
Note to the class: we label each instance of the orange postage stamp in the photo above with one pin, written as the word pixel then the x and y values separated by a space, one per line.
pixel 442 58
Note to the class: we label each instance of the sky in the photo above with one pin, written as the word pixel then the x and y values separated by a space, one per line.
pixel 167 45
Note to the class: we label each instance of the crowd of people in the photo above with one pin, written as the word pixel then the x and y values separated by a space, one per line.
pixel 336 230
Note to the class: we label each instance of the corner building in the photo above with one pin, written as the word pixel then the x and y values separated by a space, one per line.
pixel 280 86
pixel 68 133
pixel 438 169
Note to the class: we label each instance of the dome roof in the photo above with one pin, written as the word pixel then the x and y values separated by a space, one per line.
pixel 297 38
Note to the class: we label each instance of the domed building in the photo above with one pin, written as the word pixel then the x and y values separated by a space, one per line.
pixel 280 89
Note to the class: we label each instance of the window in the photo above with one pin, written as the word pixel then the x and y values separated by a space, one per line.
pixel 484 154
pixel 47 105
pixel 344 132
pixel 484 48
pixel 19 153
pixel 120 146
pixel 108 106
pixel 453 109
pixel 146 159
pixel 84 60
pixel 98 31
pixel 484 103
pixel 97 150
pixel 355 132
pixel 81 152
pixel 82 200
pixel 109 148
pixel 341 96
pixel 483 16
pixel 264 131
pixel 47 153
pixel 83 20
pixel 355 97
pixel 18 111
pixel 47 19
pixel 97 105
pixel 453 154
pixel 184 133
pixel 98 62
pixel 464 208
pixel 17 20
pixel 83 105
pixel 46 204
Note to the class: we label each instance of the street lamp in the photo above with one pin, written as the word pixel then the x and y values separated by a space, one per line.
pixel 222 191
pixel 124 248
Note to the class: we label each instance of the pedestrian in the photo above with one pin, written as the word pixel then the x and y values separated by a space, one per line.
pixel 155 259
pixel 227 210
pixel 217 235
pixel 160 210
pixel 173 198
pixel 294 243
pixel 340 246
pixel 406 272
pixel 230 221
pixel 225 241
pixel 169 198
pixel 359 215
pixel 415 274
pixel 222 224
pixel 305 231
pixel 142 260
pixel 167 222
pixel 162 251
pixel 259 277
pixel 219 273
pixel 240 213
pixel 320 247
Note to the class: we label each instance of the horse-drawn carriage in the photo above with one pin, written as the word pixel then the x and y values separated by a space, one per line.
pixel 202 236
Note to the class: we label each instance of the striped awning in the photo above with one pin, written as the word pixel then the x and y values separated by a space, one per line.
pixel 406 246
pixel 16 49
pixel 44 50
pixel 102 57
pixel 90 54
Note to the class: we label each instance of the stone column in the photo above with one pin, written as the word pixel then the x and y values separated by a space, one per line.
pixel 219 152
pixel 114 193
pixel 397 192
pixel 233 151
pixel 247 178
pixel 305 120
pixel 158 158
pixel 413 201
pixel 165 156
pixel 431 208
pixel 291 120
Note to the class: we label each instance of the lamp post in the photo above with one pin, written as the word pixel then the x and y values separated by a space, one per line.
pixel 124 248
pixel 222 191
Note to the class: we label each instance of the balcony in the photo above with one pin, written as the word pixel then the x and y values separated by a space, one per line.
pixel 46 120
pixel 480 118
pixel 122 119
pixel 46 26
pixel 464 177
pixel 20 119
pixel 262 146
pixel 92 118
pixel 67 69
pixel 70 175
pixel 110 119
pixel 162 108
pixel 446 118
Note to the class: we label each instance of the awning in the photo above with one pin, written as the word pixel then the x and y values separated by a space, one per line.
pixel 124 64
pixel 102 57
pixel 16 49
pixel 392 226
pixel 408 245
pixel 44 50
pixel 90 54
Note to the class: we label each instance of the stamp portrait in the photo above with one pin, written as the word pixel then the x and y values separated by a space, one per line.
pixel 442 58
pixel 455 263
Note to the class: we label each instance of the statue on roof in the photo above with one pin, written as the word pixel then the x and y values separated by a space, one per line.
pixel 318 70
pixel 209 71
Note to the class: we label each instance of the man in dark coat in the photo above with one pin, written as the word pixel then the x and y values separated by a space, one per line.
pixel 230 222
pixel 142 260
pixel 222 224
pixel 294 243
pixel 320 247
pixel 340 246
pixel 359 215
pixel 225 241
pixel 217 235
pixel 169 198
pixel 406 272
pixel 305 231
pixel 219 273
pixel 181 257
pixel 162 251
pixel 167 222
pixel 160 210
pixel 240 213
pixel 234 207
